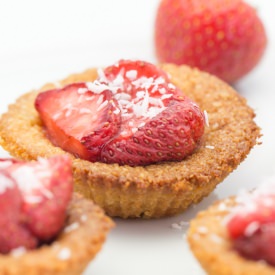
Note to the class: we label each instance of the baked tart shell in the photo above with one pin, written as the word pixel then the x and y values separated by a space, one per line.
pixel 156 190
pixel 78 243
pixel 209 241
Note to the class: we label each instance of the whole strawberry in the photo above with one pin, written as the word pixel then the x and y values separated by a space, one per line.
pixel 223 37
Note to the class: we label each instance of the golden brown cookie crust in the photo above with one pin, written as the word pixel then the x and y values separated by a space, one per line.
pixel 210 243
pixel 155 190
pixel 81 239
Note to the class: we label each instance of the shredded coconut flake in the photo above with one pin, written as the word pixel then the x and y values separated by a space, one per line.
pixel 251 229
pixel 71 227
pixel 97 87
pixel 162 91
pixel 216 239
pixel 85 111
pixel 102 105
pixel 160 80
pixel 202 230
pixel 5 183
pixel 31 181
pixel 176 226
pixel 211 147
pixel 19 251
pixel 82 90
pixel 180 225
pixel 116 111
pixel 222 207
pixel 206 118
pixel 132 74
pixel 83 218
pixel 249 202
pixel 171 86
pixel 166 96
pixel 64 254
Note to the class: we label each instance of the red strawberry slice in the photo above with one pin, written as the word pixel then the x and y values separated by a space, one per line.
pixel 251 224
pixel 258 246
pixel 13 233
pixel 223 37
pixel 78 119
pixel 171 135
pixel 261 210
pixel 142 90
pixel 131 70
pixel 157 124
pixel 132 76
pixel 46 188
pixel 125 98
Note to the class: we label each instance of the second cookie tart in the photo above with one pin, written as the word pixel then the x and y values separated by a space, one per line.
pixel 162 188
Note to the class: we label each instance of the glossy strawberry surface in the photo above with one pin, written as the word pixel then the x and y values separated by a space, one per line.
pixel 251 225
pixel 224 37
pixel 78 119
pixel 33 200
pixel 258 246
pixel 133 115
pixel 256 211
pixel 13 233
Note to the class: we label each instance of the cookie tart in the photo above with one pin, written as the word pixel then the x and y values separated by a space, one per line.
pixel 145 141
pixel 236 236
pixel 45 228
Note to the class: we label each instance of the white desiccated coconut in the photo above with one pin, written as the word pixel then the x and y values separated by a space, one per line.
pixel 97 87
pixel 19 251
pixel 85 111
pixel 202 230
pixel 82 90
pixel 251 228
pixel 71 227
pixel 132 74
pixel 176 226
pixel 211 147
pixel 215 238
pixel 83 218
pixel 180 225
pixel 31 178
pixel 5 183
pixel 102 105
pixel 206 118
pixel 64 254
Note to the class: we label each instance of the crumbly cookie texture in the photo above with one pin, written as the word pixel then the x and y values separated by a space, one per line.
pixel 209 241
pixel 80 240
pixel 155 190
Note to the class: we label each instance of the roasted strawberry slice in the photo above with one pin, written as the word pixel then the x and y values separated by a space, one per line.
pixel 259 245
pixel 249 216
pixel 141 89
pixel 131 70
pixel 78 119
pixel 109 120
pixel 131 77
pixel 13 233
pixel 171 135
pixel 46 188
pixel 251 223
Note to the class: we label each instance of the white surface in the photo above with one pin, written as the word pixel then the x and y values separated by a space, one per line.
pixel 43 41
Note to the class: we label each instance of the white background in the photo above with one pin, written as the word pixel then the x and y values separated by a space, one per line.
pixel 43 41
